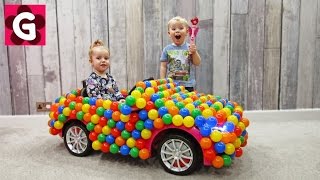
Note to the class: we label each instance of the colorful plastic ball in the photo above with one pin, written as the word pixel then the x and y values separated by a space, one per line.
pixel 87 117
pixel 136 134
pixel 120 125
pixel 116 115
pixel 146 134
pixel 149 91
pixel 233 119
pixel 150 105
pixel 218 162
pixel 159 103
pixel 141 103
pixel 167 119
pixel 205 143
pixel 92 101
pixel 51 123
pixel 100 111
pixel 134 152
pixel 105 147
pixel 85 100
pixel 147 83
pixel 195 112
pixel 111 123
pixel 237 115
pixel 229 148
pixel 106 104
pixel 229 126
pixel 154 97
pixel 85 108
pixel 131 142
pixel 129 126
pixel 90 126
pixel 125 109
pixel 136 94
pixel 144 153
pixel 140 143
pixel 124 150
pixel 102 121
pixel 93 136
pixel 58 125
pixel 108 113
pixel 173 110
pixel 115 132
pixel 110 139
pixel 207 113
pixel 177 120
pixel 140 125
pixel 125 134
pixel 158 123
pixel 141 84
pixel 72 105
pixel 148 124
pixel 237 131
pixel 188 121
pixel 238 152
pixel 119 141
pixel 180 105
pixel 153 114
pixel 96 145
pixel 200 121
pixel 241 126
pixel 101 138
pixel 237 143
pixel 95 119
pixel 209 154
pixel 134 117
pixel 226 160
pixel 99 103
pixel 92 109
pixel 219 147
pixel 78 107
pixel 60 109
pixel 62 118
pixel 143 115
pixel 184 112
pixel 169 104
pixel 212 121
pixel 245 121
pixel 216 136
pixel 130 100
pixel 114 149
pixel 106 130
pixel 114 106
pixel 205 131
pixel 226 137
pixel 162 111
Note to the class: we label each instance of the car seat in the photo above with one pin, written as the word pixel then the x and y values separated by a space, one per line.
pixel 84 89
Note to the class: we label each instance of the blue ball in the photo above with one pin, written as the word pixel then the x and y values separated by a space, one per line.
pixel 154 97
pixel 60 109
pixel 199 121
pixel 212 121
pixel 230 104
pixel 205 131
pixel 228 126
pixel 92 101
pixel 244 133
pixel 209 103
pixel 237 115
pixel 175 100
pixel 143 114
pixel 136 134
pixel 162 111
pixel 108 114
pixel 52 123
pixel 219 147
pixel 125 109
pixel 184 112
pixel 120 125
pixel 168 86
pixel 147 83
pixel 57 100
pixel 148 124
pixel 110 139
pixel 124 150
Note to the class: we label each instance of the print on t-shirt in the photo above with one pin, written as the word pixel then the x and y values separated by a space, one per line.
pixel 179 68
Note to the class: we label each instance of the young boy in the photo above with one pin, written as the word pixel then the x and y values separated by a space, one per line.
pixel 179 58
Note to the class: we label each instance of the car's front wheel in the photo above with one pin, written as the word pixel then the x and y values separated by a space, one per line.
pixel 76 139
pixel 178 155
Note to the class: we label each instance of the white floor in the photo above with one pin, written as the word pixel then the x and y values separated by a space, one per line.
pixel 282 145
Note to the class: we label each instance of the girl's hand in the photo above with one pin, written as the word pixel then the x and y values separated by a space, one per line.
pixel 192 48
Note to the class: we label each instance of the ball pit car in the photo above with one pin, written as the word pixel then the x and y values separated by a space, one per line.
pixel 158 118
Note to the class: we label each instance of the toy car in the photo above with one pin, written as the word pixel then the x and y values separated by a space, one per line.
pixel 159 118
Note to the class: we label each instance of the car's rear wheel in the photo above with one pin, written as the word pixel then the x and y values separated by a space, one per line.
pixel 76 139
pixel 178 155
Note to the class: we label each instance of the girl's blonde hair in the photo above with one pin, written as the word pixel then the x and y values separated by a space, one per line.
pixel 97 43
pixel 178 18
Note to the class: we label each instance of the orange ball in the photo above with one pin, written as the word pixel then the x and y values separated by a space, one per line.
pixel 141 84
pixel 54 107
pixel 116 116
pixel 72 97
pixel 226 137
pixel 144 153
pixel 205 143
pixel 217 162
pixel 158 123
pixel 87 117
pixel 120 141
pixel 173 110
pixel 99 102
pixel 245 121
pixel 233 137
pixel 78 107
pixel 124 92
pixel 146 97
pixel 98 128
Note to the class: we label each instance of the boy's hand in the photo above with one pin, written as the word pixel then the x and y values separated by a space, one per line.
pixel 192 48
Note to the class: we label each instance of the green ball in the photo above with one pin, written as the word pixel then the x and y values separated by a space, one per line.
pixel 230 107
pixel 161 94
pixel 216 107
pixel 90 126
pixel 195 112
pixel 120 105
pixel 72 105
pixel 140 89
pixel 159 103
pixel 226 160
pixel 134 152
pixel 180 105
pixel 80 115
pixel 167 119
pixel 74 92
pixel 130 100
pixel 62 118
pixel 140 125
pixel 241 139
pixel 125 134
pixel 85 100
pixel 218 97
pixel 160 88
pixel 100 111
pixel 111 123
pixel 101 138
pixel 114 149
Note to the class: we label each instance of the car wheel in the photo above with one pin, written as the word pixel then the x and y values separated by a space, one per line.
pixel 178 155
pixel 76 140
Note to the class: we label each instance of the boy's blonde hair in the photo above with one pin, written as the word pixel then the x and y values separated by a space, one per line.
pixel 179 18
pixel 97 43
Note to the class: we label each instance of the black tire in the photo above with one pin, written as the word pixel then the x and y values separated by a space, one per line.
pixel 76 139
pixel 178 155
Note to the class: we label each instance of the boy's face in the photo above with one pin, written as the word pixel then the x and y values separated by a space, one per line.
pixel 100 59
pixel 177 32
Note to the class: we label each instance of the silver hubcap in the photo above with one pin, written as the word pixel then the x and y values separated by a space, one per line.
pixel 176 155
pixel 76 140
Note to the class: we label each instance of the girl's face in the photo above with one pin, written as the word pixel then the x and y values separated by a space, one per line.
pixel 100 59
pixel 177 32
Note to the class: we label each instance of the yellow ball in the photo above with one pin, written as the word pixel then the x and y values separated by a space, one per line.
pixel 96 145
pixel 229 149
pixel 205 105
pixel 228 111
pixel 136 94
pixel 124 118
pixel 219 104
pixel 177 120
pixel 153 83
pixel 95 119
pixel 169 104
pixel 61 101
pixel 203 99
pixel 141 103
pixel 153 114
pixel 106 104
pixel 188 100
pixel 188 121
pixel 233 119
pixel 190 107
pixel 242 126
pixel 237 143
pixel 85 108
pixel 58 125
pixel 106 130
pixel 207 113
pixel 216 136
pixel 166 93
pixel 66 111
pixel 149 91
pixel 131 142
pixel 51 115
pixel 145 133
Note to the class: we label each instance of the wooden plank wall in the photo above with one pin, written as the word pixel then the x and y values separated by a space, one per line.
pixel 264 54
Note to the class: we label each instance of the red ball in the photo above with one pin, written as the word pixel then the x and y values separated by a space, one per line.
pixel 103 121
pixel 114 106
pixel 149 106
pixel 92 109
pixel 67 102
pixel 129 126
pixel 237 131
pixel 73 114
pixel 79 99
pixel 115 132
pixel 134 117
pixel 105 147
pixel 239 152
pixel 93 136
pixel 55 115
pixel 209 154
pixel 140 143
pixel 54 131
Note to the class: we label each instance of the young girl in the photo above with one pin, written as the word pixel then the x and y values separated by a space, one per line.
pixel 100 84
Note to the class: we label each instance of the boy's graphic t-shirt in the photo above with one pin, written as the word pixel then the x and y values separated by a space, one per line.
pixel 179 66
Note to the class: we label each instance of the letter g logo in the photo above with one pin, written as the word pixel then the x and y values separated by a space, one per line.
pixel 28 26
